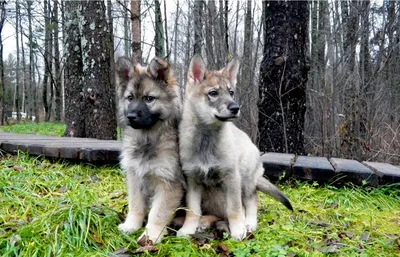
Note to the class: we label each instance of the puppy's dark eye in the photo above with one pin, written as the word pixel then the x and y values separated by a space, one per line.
pixel 231 92
pixel 149 98
pixel 213 93
pixel 130 97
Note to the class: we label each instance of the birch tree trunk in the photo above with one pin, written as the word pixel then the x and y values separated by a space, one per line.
pixel 58 112
pixel 127 44
pixel 136 32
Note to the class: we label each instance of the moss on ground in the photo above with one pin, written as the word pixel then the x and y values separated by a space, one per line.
pixel 61 209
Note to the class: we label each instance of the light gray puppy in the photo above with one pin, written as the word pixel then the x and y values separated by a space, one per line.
pixel 221 164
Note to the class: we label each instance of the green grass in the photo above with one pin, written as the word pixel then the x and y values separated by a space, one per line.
pixel 43 128
pixel 61 209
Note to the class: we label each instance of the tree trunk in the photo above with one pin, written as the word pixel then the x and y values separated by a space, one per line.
pixel 317 96
pixel 391 63
pixel 209 29
pixel 25 89
pixel 187 45
pixel 47 59
pixel 33 110
pixel 57 70
pixel 167 50
pixel 236 28
pixel 245 92
pixel 351 142
pixel 226 34
pixel 365 67
pixel 3 88
pixel 176 33
pixel 159 31
pixel 17 71
pixel 320 57
pixel 283 77
pixel 136 32
pixel 127 44
pixel 217 36
pixel 198 26
pixel 111 58
pixel 221 41
pixel 89 95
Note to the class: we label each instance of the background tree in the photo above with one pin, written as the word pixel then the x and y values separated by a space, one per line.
pixel 24 74
pixel 3 88
pixel 57 77
pixel 33 107
pixel 198 26
pixel 136 32
pixel 247 92
pixel 159 37
pixel 351 112
pixel 47 58
pixel 283 77
pixel 91 112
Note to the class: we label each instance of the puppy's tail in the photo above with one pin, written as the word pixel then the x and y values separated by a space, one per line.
pixel 265 186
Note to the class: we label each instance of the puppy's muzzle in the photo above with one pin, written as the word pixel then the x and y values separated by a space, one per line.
pixel 133 116
pixel 234 108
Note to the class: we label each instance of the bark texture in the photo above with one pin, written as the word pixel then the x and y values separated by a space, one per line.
pixel 136 32
pixel 283 77
pixel 89 94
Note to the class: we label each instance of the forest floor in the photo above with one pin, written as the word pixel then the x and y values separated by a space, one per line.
pixel 50 208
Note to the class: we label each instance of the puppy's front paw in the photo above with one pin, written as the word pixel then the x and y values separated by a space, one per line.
pixel 186 230
pixel 130 225
pixel 150 237
pixel 238 231
pixel 251 225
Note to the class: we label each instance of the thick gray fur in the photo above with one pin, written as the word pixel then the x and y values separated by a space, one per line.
pixel 221 164
pixel 149 156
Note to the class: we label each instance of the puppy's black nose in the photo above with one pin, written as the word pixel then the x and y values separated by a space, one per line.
pixel 233 108
pixel 132 116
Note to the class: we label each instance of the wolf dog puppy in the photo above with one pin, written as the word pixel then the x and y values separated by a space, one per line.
pixel 149 109
pixel 221 164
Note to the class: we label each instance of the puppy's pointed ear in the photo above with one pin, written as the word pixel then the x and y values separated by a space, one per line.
pixel 123 70
pixel 231 71
pixel 158 68
pixel 197 70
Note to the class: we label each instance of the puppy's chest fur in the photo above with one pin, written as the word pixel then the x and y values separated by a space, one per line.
pixel 152 153
pixel 146 149
pixel 204 148
pixel 213 178
pixel 206 164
